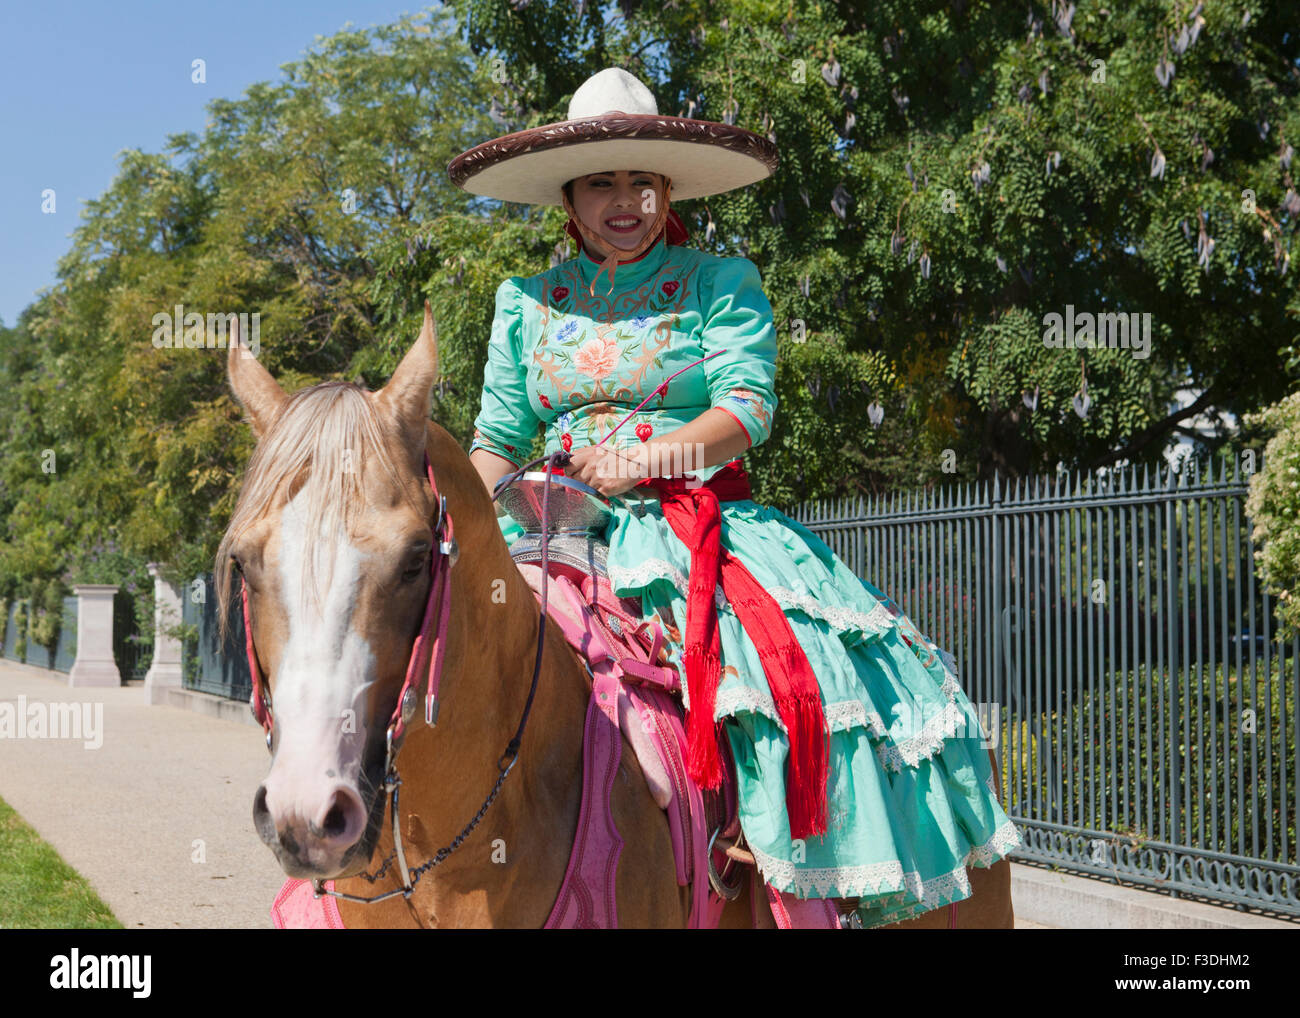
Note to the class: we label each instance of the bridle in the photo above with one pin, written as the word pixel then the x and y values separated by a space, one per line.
pixel 443 556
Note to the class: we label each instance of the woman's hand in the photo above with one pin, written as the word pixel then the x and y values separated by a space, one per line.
pixel 610 471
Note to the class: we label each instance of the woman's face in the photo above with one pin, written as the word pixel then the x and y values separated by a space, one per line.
pixel 610 204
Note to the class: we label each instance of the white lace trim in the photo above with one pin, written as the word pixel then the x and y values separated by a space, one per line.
pixel 874 623
pixel 840 716
pixel 657 569
pixel 929 740
pixel 847 714
pixel 887 878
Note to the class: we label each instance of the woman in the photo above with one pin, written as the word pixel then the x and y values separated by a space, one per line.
pixel 861 772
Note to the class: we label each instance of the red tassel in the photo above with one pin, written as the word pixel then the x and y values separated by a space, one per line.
pixel 695 517
pixel 703 665
pixel 806 780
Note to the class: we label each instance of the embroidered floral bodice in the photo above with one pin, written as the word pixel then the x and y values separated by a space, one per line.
pixel 575 363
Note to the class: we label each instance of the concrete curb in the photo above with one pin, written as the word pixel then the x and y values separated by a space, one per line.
pixel 1057 900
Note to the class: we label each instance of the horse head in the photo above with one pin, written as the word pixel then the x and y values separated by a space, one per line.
pixel 332 539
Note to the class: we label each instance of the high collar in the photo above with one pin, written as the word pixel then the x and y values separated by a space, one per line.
pixel 629 273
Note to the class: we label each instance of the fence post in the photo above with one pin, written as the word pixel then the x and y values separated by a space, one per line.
pixel 94 665
pixel 165 671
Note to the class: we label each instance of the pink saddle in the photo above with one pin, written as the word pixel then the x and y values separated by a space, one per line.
pixel 633 696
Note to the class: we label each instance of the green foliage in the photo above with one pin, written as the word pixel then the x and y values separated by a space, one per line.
pixel 1274 510
pixel 949 175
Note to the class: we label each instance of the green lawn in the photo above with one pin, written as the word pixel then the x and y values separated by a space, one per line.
pixel 38 890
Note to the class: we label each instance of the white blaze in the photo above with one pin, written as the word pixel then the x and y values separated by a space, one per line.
pixel 324 672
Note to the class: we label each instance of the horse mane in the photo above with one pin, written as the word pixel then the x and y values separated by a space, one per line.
pixel 322 441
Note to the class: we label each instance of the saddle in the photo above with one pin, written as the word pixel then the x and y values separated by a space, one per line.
pixel 635 695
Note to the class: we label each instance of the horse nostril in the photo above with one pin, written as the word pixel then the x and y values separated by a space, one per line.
pixel 262 821
pixel 344 817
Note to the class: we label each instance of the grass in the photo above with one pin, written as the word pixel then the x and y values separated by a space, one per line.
pixel 38 890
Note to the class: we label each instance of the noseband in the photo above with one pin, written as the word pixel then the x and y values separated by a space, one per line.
pixel 443 557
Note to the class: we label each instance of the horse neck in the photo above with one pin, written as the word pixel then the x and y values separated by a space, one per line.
pixel 487 672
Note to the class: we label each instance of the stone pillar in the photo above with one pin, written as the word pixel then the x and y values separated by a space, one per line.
pixel 94 665
pixel 165 672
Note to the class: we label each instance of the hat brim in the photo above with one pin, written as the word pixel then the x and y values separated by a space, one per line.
pixel 700 156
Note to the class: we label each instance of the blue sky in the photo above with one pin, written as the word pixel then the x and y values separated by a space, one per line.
pixel 81 81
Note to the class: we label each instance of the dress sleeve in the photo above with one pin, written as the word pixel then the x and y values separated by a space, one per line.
pixel 506 424
pixel 738 320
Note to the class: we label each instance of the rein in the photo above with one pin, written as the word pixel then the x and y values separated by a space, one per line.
pixel 441 561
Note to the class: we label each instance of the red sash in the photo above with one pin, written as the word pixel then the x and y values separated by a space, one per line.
pixel 695 517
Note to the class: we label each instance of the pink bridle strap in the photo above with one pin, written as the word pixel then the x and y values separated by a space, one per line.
pixel 440 558
pixel 260 709
pixel 438 603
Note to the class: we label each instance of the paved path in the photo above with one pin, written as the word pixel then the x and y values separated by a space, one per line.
pixel 127 815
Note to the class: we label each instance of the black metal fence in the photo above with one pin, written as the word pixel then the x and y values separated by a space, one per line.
pixel 206 666
pixel 1149 716
pixel 20 646
pixel 132 649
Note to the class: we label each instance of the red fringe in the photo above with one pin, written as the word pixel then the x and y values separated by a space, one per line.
pixel 703 760
pixel 808 764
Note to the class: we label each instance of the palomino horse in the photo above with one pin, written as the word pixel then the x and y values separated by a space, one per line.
pixel 332 535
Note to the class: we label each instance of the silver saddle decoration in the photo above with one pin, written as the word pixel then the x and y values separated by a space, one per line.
pixel 578 517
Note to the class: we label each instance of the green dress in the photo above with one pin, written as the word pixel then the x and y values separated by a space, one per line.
pixel 910 791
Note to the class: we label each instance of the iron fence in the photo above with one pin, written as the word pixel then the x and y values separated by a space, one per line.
pixel 132 650
pixel 1147 713
pixel 20 646
pixel 205 664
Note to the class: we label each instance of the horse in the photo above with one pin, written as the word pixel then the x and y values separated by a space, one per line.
pixel 333 536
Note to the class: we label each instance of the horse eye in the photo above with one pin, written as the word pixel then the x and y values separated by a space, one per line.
pixel 412 574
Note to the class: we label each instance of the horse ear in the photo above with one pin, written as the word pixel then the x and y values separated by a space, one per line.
pixel 256 390
pixel 406 396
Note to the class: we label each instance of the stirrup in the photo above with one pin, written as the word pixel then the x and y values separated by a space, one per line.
pixel 727 892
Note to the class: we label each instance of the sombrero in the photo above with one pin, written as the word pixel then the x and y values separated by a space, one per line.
pixel 614 124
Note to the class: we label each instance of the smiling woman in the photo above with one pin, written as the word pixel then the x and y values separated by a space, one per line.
pixel 858 777
pixel 620 207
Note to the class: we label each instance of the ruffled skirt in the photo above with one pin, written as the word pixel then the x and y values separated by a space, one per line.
pixel 910 789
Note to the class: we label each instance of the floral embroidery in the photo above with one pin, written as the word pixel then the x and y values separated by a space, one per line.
pixel 752 402
pixel 644 431
pixel 670 287
pixel 566 440
pixel 500 448
pixel 597 358
pixel 559 292
pixel 544 399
